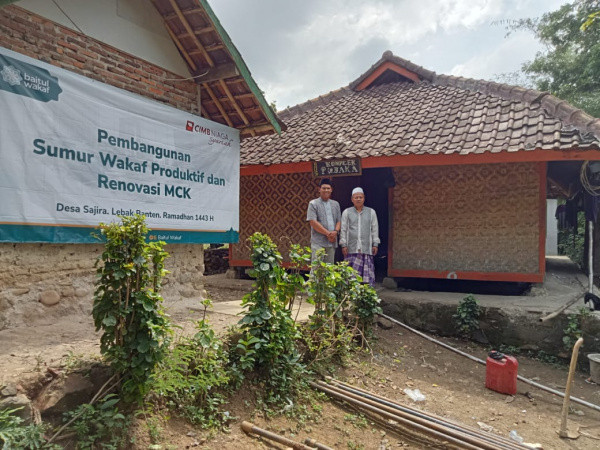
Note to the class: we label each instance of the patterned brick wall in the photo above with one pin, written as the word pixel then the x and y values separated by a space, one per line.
pixel 39 38
pixel 476 218
pixel 275 205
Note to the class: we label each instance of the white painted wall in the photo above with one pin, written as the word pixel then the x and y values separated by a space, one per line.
pixel 551 228
pixel 134 26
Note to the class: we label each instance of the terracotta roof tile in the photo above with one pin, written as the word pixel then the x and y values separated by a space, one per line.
pixel 441 114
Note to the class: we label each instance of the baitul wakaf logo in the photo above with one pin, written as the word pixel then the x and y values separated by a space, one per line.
pixel 28 80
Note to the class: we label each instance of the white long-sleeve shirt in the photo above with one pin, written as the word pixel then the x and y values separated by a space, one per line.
pixel 360 230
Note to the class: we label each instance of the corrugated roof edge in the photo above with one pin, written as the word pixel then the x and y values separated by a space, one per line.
pixel 278 125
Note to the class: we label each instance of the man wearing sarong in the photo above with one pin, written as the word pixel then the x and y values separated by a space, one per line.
pixel 359 236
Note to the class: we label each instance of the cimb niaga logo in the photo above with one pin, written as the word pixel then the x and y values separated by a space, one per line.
pixel 191 126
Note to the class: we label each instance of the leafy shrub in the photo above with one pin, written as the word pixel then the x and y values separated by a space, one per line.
pixel 573 331
pixel 15 434
pixel 571 242
pixel 127 303
pixel 191 376
pixel 344 312
pixel 101 425
pixel 268 330
pixel 467 315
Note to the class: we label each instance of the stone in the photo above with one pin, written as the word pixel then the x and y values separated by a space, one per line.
pixel 20 291
pixel 529 347
pixel 231 274
pixel 384 323
pixel 18 401
pixel 10 390
pixel 68 291
pixel 390 283
pixel 49 297
pixel 64 394
pixel 188 293
pixel 185 277
pixel 479 336
pixel 80 292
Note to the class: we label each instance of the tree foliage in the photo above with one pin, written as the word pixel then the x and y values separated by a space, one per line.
pixel 570 66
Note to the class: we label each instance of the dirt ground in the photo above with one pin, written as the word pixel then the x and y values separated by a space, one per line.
pixel 453 387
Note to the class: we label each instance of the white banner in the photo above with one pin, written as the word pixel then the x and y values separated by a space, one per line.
pixel 75 152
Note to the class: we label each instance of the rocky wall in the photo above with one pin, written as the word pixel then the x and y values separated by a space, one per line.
pixel 519 328
pixel 40 282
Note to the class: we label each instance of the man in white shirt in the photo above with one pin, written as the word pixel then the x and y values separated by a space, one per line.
pixel 359 236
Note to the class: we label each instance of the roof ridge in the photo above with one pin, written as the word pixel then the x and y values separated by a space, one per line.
pixel 561 109
pixel 389 56
pixel 312 103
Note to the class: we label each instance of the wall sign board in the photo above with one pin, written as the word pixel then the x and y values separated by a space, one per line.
pixel 337 167
pixel 75 152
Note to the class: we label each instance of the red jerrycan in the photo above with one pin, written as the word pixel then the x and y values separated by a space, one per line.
pixel 501 373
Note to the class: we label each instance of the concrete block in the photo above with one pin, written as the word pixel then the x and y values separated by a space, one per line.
pixel 390 283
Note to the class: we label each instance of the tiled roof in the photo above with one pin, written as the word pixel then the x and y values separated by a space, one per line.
pixel 439 115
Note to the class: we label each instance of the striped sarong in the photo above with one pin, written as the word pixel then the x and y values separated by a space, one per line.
pixel 364 265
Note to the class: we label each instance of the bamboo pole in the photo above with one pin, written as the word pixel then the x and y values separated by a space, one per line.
pixel 427 415
pixel 479 440
pixel 565 409
pixel 250 428
pixel 409 424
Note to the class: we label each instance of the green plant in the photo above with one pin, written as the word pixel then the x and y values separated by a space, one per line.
pixel 15 434
pixel 508 349
pixel 269 332
pixel 547 358
pixel 357 420
pixel 568 63
pixel 571 241
pixel 344 311
pixel 154 429
pixel 305 410
pixel 128 304
pixel 355 446
pixel 573 331
pixel 192 375
pixel 101 425
pixel 467 315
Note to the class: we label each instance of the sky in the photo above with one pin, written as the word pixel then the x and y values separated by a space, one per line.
pixel 300 49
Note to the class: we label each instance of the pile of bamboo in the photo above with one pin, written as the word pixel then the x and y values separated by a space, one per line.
pixel 414 424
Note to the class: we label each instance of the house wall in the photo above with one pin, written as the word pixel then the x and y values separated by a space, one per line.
pixel 63 275
pixel 275 205
pixel 134 26
pixel 469 221
pixel 482 222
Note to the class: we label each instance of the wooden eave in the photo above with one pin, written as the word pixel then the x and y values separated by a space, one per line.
pixel 228 93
